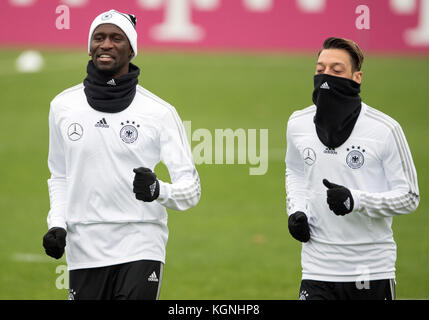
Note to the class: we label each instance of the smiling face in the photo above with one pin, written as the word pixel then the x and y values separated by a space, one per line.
pixel 110 50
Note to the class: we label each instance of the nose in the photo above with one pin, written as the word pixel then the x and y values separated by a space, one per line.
pixel 107 44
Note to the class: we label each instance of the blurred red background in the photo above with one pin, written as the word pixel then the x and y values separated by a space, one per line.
pixel 382 25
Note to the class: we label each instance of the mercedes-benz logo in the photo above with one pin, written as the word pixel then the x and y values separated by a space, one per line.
pixel 75 131
pixel 309 156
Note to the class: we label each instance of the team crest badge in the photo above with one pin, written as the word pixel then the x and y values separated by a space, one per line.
pixel 355 158
pixel 129 132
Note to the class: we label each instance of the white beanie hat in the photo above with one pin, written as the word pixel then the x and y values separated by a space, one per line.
pixel 126 22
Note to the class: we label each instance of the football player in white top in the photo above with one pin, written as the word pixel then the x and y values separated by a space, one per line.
pixel 108 208
pixel 349 171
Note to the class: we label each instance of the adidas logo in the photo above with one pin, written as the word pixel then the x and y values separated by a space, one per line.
pixel 330 151
pixel 152 188
pixel 102 123
pixel 347 203
pixel 111 82
pixel 153 277
pixel 324 85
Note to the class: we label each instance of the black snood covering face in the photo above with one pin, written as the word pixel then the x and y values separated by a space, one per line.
pixel 338 107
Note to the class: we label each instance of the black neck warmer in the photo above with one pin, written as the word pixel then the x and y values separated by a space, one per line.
pixel 338 107
pixel 106 94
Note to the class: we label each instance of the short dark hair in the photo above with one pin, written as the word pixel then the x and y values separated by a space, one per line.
pixel 348 45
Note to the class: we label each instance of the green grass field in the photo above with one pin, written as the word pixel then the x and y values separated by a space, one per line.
pixel 235 243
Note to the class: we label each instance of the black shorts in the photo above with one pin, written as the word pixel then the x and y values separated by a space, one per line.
pixel 325 290
pixel 137 280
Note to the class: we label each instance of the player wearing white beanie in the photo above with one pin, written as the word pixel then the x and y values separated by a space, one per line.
pixel 106 136
pixel 126 22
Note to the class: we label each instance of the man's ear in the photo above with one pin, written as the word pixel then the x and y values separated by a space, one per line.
pixel 357 76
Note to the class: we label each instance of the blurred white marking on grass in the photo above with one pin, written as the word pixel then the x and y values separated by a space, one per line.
pixel 32 258
pixel 52 63
pixel 29 61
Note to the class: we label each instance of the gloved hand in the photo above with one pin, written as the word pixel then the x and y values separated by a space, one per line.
pixel 298 226
pixel 146 185
pixel 339 198
pixel 54 242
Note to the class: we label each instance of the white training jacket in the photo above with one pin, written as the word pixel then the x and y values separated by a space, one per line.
pixel 375 163
pixel 91 158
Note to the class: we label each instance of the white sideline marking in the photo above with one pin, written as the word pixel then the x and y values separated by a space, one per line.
pixel 31 257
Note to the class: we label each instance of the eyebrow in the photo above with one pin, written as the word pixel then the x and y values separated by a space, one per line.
pixel 333 64
pixel 101 33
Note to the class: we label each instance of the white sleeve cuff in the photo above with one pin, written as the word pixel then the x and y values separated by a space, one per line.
pixel 164 192
pixel 356 194
pixel 56 223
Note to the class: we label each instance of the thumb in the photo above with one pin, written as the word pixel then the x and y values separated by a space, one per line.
pixel 60 236
pixel 141 170
pixel 328 184
pixel 299 217
pixel 49 240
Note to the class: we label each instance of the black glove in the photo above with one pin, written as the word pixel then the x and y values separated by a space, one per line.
pixel 54 242
pixel 298 226
pixel 146 185
pixel 339 198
